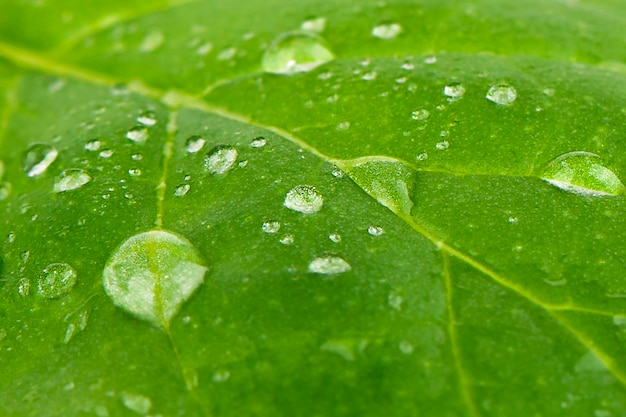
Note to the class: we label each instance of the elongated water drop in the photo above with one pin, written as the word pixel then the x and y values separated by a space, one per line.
pixel 304 199
pixel 152 274
pixel 70 179
pixel 57 280
pixel 220 159
pixel 296 52
pixel 329 265
pixel 38 158
pixel 583 173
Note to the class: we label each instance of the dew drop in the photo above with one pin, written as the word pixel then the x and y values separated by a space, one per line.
pixel 454 90
pixel 287 240
pixel 387 31
pixel 430 60
pixel 137 403
pixel 5 190
pixel 70 179
pixel 296 52
pixel 138 134
pixel 38 158
pixel 422 156
pixel 375 230
pixel 152 274
pixel 334 237
pixel 106 154
pixel 23 287
pixel 271 227
pixel 220 159
pixel 337 173
pixel 316 25
pixel 258 142
pixel 134 172
pixel 502 94
pixel 194 143
pixel 304 199
pixel 420 114
pixel 57 280
pixel 147 118
pixel 395 301
pixel 152 41
pixel 182 190
pixel 583 173
pixel 443 145
pixel 406 347
pixel 329 265
pixel 227 54
pixel 93 145
pixel 408 66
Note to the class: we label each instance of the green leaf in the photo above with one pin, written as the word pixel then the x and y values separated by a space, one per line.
pixel 284 208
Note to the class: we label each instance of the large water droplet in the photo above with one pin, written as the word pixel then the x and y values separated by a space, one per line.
pixel 38 158
pixel 304 199
pixel 152 274
pixel 220 159
pixel 296 52
pixel 583 173
pixel 502 94
pixel 329 265
pixel 387 31
pixel 389 182
pixel 57 280
pixel 70 179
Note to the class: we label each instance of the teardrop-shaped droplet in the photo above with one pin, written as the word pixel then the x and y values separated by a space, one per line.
pixel 502 94
pixel 296 52
pixel 583 173
pixel 304 199
pixel 57 280
pixel 70 179
pixel 389 182
pixel 152 274
pixel 220 159
pixel 38 158
pixel 329 265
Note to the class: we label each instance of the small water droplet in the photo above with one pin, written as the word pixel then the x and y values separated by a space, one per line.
pixel 137 403
pixel 38 158
pixel 70 179
pixel 221 376
pixel 583 173
pixel 337 173
pixel 23 287
pixel 422 156
pixel 329 265
pixel 335 237
pixel 420 114
pixel 512 219
pixel 258 142
pixel 138 134
pixel 152 274
pixel 443 145
pixel 271 227
pixel 343 348
pixel 454 90
pixel 93 145
pixel 227 54
pixel 502 94
pixel 182 190
pixel 11 237
pixel 317 25
pixel 387 31
pixel 147 118
pixel 287 240
pixel 152 41
pixel 430 60
pixel 369 76
pixel 375 230
pixel 296 52
pixel 343 126
pixel 395 301
pixel 134 172
pixel 106 154
pixel 194 143
pixel 304 199
pixel 408 66
pixel 57 280
pixel 5 190
pixel 556 282
pixel 620 321
pixel 220 159
pixel 204 49
pixel 406 347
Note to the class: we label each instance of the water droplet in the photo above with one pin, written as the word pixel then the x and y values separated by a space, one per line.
pixel 57 280
pixel 38 158
pixel 408 66
pixel 221 376
pixel 583 173
pixel 406 347
pixel 137 403
pixel 335 237
pixel 556 282
pixel 620 321
pixel 430 60
pixel 194 143
pixel 220 159
pixel 258 142
pixel 11 237
pixel 337 173
pixel 329 265
pixel 343 348
pixel 296 52
pixel 443 145
pixel 147 118
pixel 343 126
pixel 375 230
pixel 271 227
pixel 227 54
pixel 287 240
pixel 420 114
pixel 387 31
pixel 389 182
pixel 106 154
pixel 316 25
pixel 395 301
pixel 204 49
pixel 23 287
pixel 422 156
pixel 70 179
pixel 454 90
pixel 5 190
pixel 93 145
pixel 134 172
pixel 152 41
pixel 502 94
pixel 304 199
pixel 182 190
pixel 138 134
pixel 152 274
pixel 369 76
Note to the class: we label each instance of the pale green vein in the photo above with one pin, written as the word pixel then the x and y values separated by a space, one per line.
pixel 112 20
pixel 32 60
pixel 464 385
pixel 168 151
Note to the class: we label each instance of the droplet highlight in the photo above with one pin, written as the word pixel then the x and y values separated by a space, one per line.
pixel 296 52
